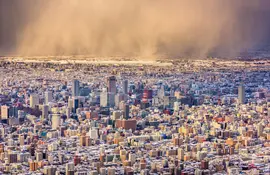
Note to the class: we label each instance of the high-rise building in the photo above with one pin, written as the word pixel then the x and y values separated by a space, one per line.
pixel 180 153
pixel 45 111
pixel 75 103
pixel 75 88
pixel 21 139
pixel 241 94
pixel 126 111
pixel 82 140
pixel 8 111
pixel 120 97
pixel 12 158
pixel 107 99
pixel 4 112
pixel 94 133
pixel 56 121
pixel 125 86
pixel 111 84
pixel 34 100
pixel 48 97
pixel 39 156
pixel 70 103
pixel 33 165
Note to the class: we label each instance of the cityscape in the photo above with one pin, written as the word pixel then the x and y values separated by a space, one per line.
pixel 187 118
pixel 134 87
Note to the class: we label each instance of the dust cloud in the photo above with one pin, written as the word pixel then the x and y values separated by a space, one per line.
pixel 133 27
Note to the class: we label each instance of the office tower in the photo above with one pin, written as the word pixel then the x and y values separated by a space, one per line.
pixel 75 103
pixel 104 99
pixel 120 97
pixel 45 111
pixel 9 111
pixel 107 99
pixel 12 158
pixel 111 84
pixel 48 97
pixel 126 112
pixel 94 133
pixel 75 88
pixel 83 140
pixel 33 165
pixel 4 112
pixel 70 103
pixel 56 121
pixel 125 86
pixel 111 99
pixel 180 154
pixel 21 139
pixel 39 156
pixel 34 100
pixel 241 94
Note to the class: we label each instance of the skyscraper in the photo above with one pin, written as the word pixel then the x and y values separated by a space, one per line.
pixel 45 111
pixel 125 86
pixel 75 104
pixel 34 100
pixel 75 88
pixel 111 84
pixel 126 111
pixel 56 121
pixel 107 99
pixel 4 112
pixel 21 139
pixel 70 103
pixel 241 94
pixel 48 97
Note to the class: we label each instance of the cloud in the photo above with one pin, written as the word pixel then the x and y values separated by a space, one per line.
pixel 126 27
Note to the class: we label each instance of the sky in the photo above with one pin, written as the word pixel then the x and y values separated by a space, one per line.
pixel 133 27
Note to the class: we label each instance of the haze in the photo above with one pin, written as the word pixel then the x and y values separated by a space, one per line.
pixel 133 27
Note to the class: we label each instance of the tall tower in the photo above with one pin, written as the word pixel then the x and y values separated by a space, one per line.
pixel 45 111
pixel 4 112
pixel 126 111
pixel 125 86
pixel 75 88
pixel 48 97
pixel 241 94
pixel 111 84
pixel 104 99
pixel 34 100
pixel 75 104
pixel 56 121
